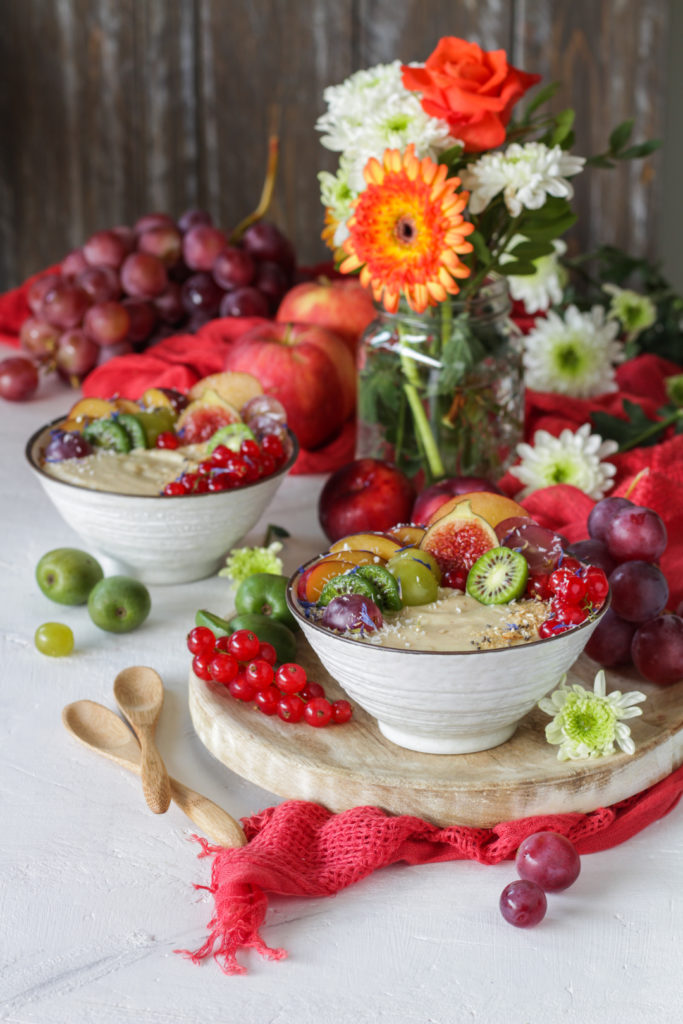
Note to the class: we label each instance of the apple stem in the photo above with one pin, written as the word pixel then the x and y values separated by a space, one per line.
pixel 266 192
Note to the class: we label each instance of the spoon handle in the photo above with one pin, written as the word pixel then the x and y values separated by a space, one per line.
pixel 216 823
pixel 155 783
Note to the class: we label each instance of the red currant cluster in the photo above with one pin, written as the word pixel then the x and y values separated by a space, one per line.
pixel 225 470
pixel 247 668
pixel 575 592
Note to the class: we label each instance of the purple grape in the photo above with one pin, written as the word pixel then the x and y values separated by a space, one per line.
pixel 101 283
pixel 76 354
pixel 636 534
pixel 263 405
pixel 39 339
pixel 66 445
pixel 191 218
pixel 549 859
pixel 657 650
pixel 639 591
pixel 523 904
pixel 542 548
pixel 601 516
pixel 150 221
pixel 143 275
pixel 352 613
pixel 18 379
pixel 273 280
pixel 201 245
pixel 610 643
pixel 164 241
pixel 593 552
pixel 107 323
pixel 143 318
pixel 73 263
pixel 105 248
pixel 244 302
pixel 201 294
pixel 39 289
pixel 65 304
pixel 233 268
pixel 264 241
pixel 169 305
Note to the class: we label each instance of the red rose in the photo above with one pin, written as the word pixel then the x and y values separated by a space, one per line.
pixel 474 90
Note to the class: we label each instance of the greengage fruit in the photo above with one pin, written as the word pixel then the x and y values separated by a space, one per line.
pixel 67 575
pixel 119 604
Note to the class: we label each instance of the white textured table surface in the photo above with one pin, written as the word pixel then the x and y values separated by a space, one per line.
pixel 97 891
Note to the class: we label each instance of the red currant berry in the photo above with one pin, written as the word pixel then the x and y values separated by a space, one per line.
pixel 559 578
pixel 597 585
pixel 200 639
pixel 567 613
pixel 551 627
pixel 572 564
pixel 268 699
pixel 260 673
pixel 223 667
pixel 250 449
pixel 205 467
pixel 222 643
pixel 312 690
pixel 290 677
pixel 318 712
pixel 167 439
pixel 291 708
pixel 272 444
pixel 189 482
pixel 219 483
pixel 200 666
pixel 221 455
pixel 455 579
pixel 341 711
pixel 202 485
pixel 268 653
pixel 268 464
pixel 242 688
pixel 174 489
pixel 244 645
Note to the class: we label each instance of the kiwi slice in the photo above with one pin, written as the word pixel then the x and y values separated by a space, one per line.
pixel 231 436
pixel 385 584
pixel 108 434
pixel 348 583
pixel 498 576
pixel 134 428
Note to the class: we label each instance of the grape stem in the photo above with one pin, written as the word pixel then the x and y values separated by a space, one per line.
pixel 266 192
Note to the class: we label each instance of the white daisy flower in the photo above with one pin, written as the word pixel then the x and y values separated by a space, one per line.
pixel 587 724
pixel 337 195
pixel 544 288
pixel 575 457
pixel 635 312
pixel 525 174
pixel 573 356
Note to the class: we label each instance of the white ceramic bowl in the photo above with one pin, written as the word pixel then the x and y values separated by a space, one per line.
pixel 158 539
pixel 442 702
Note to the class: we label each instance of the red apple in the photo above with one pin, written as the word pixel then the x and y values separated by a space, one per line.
pixel 364 495
pixel 309 369
pixel 438 494
pixel 343 306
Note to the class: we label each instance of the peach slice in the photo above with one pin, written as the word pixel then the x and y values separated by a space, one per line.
pixel 313 579
pixel 91 408
pixel 356 557
pixel 408 536
pixel 127 405
pixel 494 508
pixel 459 538
pixel 236 388
pixel 377 543
pixel 155 398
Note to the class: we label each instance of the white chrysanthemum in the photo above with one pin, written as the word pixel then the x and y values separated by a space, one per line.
pixel 573 356
pixel 575 457
pixel 348 103
pixel 526 175
pixel 635 312
pixel 337 196
pixel 544 288
pixel 587 723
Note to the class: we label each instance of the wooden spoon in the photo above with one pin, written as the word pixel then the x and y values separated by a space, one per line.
pixel 103 731
pixel 139 693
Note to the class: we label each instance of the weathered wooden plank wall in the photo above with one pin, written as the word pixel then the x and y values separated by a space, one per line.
pixel 111 108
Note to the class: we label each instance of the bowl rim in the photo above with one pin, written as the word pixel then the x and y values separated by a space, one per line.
pixel 295 608
pixel 28 452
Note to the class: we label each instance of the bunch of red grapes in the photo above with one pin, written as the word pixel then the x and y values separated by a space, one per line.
pixel 627 540
pixel 128 288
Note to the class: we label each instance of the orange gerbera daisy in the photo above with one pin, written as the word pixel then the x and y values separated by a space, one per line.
pixel 406 231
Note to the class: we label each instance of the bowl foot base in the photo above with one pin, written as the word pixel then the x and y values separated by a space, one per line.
pixel 469 744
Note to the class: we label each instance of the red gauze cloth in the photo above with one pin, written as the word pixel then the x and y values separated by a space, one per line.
pixel 302 849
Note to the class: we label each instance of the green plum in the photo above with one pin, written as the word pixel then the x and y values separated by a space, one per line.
pixel 418 575
pixel 67 575
pixel 264 593
pixel 119 604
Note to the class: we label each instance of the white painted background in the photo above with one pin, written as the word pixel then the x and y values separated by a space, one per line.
pixel 96 891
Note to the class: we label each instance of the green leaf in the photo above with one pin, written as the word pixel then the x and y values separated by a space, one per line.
pixel 620 136
pixel 481 250
pixel 533 250
pixel 541 97
pixel 274 533
pixel 599 161
pixel 452 155
pixel 551 221
pixel 563 125
pixel 637 430
pixel 518 268
pixel 641 150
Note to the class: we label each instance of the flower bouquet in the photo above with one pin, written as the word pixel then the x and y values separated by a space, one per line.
pixel 447 206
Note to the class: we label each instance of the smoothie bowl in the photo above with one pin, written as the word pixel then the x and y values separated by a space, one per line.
pixel 448 669
pixel 162 494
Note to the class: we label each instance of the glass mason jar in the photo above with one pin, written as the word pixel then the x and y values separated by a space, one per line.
pixel 441 393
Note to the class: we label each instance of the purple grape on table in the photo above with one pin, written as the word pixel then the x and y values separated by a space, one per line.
pixel 169 305
pixel 65 304
pixel 143 276
pixel 201 245
pixel 657 650
pixel 244 302
pixel 352 613
pixel 39 339
pixel 636 534
pixel 66 445
pixel 549 859
pixel 201 294
pixel 264 241
pixel 601 515
pixel 233 268
pixel 107 323
pixel 592 552
pixel 541 547
pixel 18 379
pixel 639 591
pixel 101 283
pixel 523 904
pixel 610 642
pixel 105 248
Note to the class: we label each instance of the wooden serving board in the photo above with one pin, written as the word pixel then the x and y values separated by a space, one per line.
pixel 353 764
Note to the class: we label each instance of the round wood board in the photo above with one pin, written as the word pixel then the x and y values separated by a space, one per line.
pixel 353 764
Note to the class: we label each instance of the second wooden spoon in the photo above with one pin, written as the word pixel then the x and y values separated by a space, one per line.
pixel 139 693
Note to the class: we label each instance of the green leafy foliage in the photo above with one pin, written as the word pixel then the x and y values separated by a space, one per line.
pixel 635 429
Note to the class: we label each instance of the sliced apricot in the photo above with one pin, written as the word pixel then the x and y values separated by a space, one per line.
pixel 378 543
pixel 156 398
pixel 356 557
pixel 127 405
pixel 494 508
pixel 408 536
pixel 236 388
pixel 313 579
pixel 92 409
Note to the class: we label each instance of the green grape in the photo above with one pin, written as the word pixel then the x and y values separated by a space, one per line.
pixel 418 575
pixel 54 639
